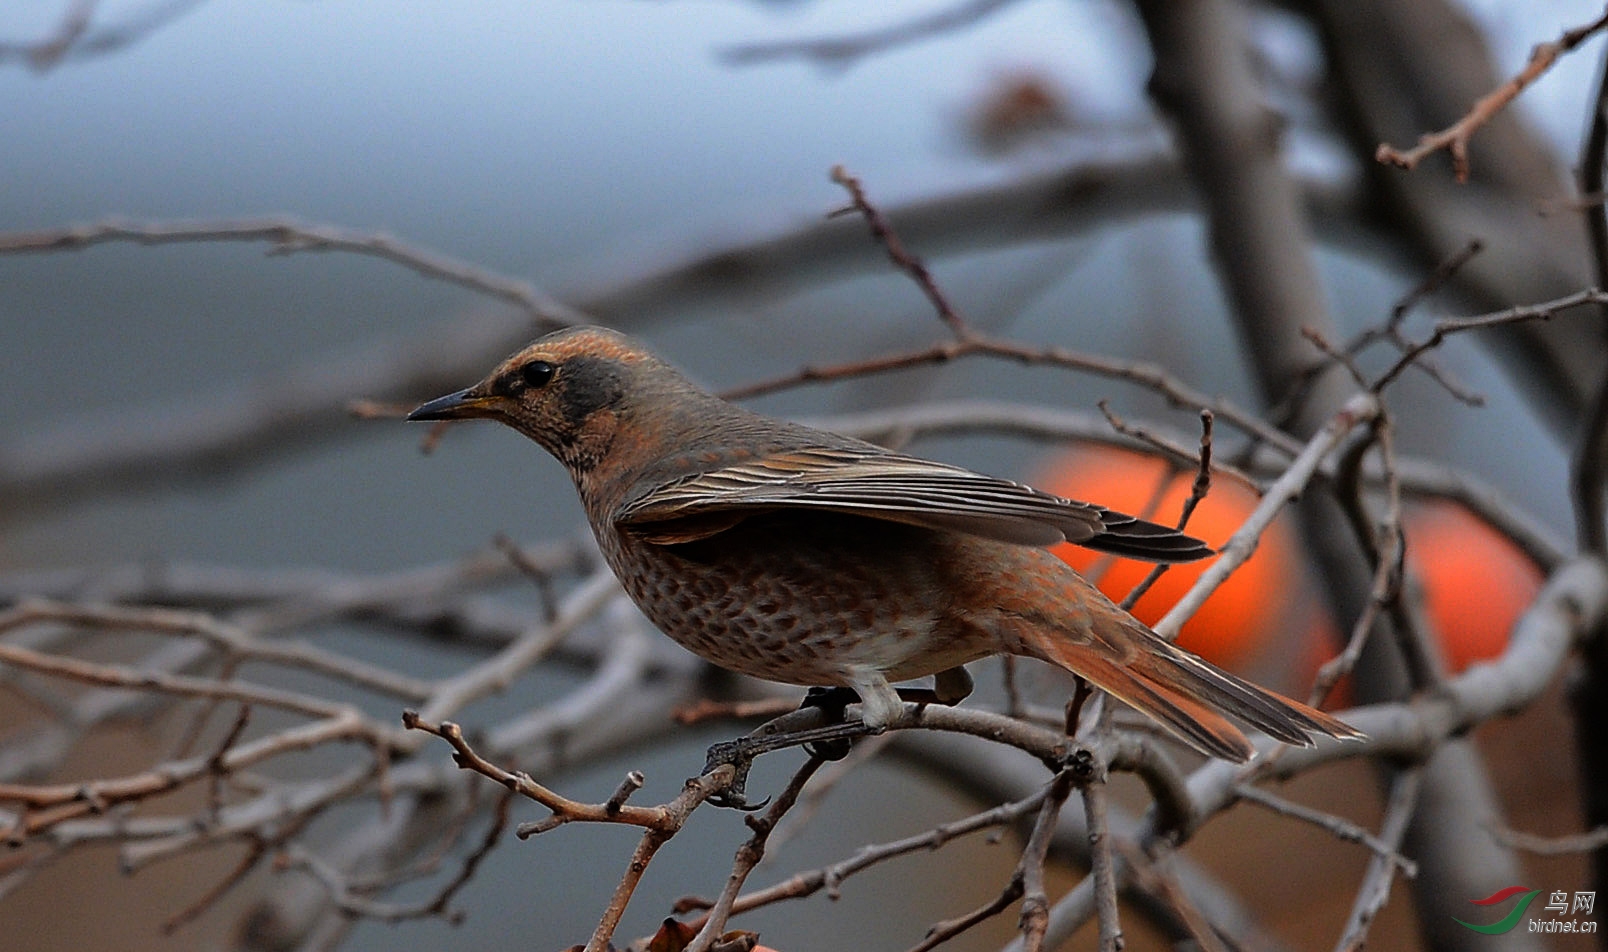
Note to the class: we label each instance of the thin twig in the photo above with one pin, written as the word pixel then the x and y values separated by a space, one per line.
pixel 661 818
pixel 1390 331
pixel 1198 488
pixel 1159 878
pixel 1385 548
pixel 217 764
pixel 843 51
pixel 179 685
pixel 288 236
pixel 749 855
pixel 942 932
pixel 49 805
pixel 630 785
pixel 76 35
pixel 827 781
pixel 1375 889
pixel 220 888
pixel 355 903
pixel 1101 869
pixel 674 815
pixel 705 709
pixel 1026 882
pixel 882 231
pixel 831 878
pixel 1455 325
pixel 1552 845
pixel 1455 138
pixel 495 674
pixel 538 573
pixel 1359 410
pixel 1428 286
pixel 1337 826
pixel 1143 374
pixel 238 642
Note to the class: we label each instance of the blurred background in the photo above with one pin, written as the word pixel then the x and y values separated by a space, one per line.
pixel 610 153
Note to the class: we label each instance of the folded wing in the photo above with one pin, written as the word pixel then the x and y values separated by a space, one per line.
pixel 876 484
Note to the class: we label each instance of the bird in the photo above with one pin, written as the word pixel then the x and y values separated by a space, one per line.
pixel 801 556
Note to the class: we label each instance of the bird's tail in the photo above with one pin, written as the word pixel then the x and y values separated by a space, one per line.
pixel 1186 694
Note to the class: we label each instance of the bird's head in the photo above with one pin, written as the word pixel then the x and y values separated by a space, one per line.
pixel 570 391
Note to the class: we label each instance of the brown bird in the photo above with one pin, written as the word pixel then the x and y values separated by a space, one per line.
pixel 797 555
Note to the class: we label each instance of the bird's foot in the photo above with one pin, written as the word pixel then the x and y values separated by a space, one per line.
pixel 737 754
pixel 740 754
pixel 950 688
pixel 830 741
pixel 833 703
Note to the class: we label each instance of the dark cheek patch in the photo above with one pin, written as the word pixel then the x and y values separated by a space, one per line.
pixel 590 385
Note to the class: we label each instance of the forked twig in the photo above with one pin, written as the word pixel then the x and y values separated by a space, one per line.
pixel 1455 138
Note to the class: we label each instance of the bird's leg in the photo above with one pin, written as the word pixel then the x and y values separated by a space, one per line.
pixel 880 704
pixel 829 741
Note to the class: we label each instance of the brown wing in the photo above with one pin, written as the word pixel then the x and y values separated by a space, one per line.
pixel 877 484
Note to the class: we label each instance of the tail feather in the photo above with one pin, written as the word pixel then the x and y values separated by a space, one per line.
pixel 1188 719
pixel 1186 694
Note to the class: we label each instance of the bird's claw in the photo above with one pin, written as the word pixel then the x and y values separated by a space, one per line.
pixel 736 800
pixel 740 756
pixel 831 741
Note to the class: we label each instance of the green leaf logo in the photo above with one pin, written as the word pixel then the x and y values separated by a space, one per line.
pixel 1507 922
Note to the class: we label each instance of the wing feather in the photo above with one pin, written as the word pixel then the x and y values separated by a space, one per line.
pixel 877 484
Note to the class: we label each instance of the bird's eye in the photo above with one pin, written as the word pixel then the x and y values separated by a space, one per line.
pixel 536 373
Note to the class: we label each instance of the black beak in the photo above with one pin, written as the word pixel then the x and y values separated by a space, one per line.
pixel 453 406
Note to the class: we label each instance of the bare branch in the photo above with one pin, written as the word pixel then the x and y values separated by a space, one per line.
pixel 845 51
pixel 1338 827
pixel 353 902
pixel 77 36
pixel 1513 315
pixel 119 676
pixel 749 855
pixel 287 236
pixel 495 674
pixel 233 640
pixel 831 878
pixel 1375 891
pixel 1102 872
pixel 882 231
pixel 47 806
pixel 1358 411
pixel 1455 138
pixel 1553 845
